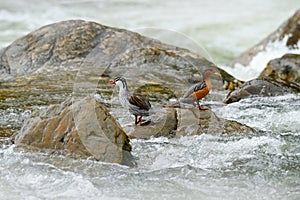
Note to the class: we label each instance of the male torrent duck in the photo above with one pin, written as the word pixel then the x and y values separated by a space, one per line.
pixel 137 104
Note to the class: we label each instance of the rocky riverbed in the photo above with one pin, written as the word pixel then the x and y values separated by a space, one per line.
pixel 89 54
pixel 55 98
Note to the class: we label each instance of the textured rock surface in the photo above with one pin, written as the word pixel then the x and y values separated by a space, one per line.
pixel 281 76
pixel 284 70
pixel 82 129
pixel 207 122
pixel 6 132
pixel 289 30
pixel 257 87
pixel 97 50
pixel 178 122
pixel 162 123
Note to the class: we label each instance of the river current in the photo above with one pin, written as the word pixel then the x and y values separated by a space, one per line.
pixel 264 165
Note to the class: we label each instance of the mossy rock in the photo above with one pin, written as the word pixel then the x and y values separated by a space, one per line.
pixel 285 70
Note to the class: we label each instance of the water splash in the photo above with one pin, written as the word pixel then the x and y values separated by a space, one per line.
pixel 258 63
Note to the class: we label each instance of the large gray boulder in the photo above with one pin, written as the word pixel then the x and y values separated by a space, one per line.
pixel 80 57
pixel 82 128
pixel 94 49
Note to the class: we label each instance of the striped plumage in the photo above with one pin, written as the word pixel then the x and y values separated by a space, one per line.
pixel 137 104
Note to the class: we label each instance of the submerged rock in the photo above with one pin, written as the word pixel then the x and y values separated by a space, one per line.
pixel 82 129
pixel 284 70
pixel 289 32
pixel 178 122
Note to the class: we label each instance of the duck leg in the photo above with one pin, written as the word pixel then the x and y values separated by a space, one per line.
pixel 201 107
pixel 135 120
pixel 139 119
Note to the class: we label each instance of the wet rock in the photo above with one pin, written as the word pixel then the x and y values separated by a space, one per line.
pixel 280 76
pixel 161 123
pixel 257 87
pixel 284 70
pixel 178 122
pixel 81 128
pixel 195 122
pixel 289 32
pixel 6 132
pixel 95 49
pixel 171 68
pixel 79 57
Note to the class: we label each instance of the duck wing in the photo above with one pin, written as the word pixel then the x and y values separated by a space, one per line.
pixel 194 88
pixel 139 101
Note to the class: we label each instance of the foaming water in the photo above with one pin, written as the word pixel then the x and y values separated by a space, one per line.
pixel 273 50
pixel 225 31
pixel 279 114
pixel 206 166
pixel 264 165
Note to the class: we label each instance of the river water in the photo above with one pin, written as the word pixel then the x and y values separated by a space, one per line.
pixel 265 165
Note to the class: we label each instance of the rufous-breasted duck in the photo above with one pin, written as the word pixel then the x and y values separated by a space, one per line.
pixel 199 90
